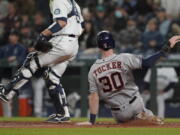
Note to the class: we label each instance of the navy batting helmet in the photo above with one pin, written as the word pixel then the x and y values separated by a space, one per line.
pixel 105 40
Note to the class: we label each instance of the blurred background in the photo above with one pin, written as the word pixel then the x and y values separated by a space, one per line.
pixel 139 26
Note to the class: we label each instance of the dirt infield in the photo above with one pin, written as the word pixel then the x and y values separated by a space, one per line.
pixel 8 124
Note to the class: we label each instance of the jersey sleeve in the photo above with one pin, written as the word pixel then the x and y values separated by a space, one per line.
pixel 92 83
pixel 132 61
pixel 59 9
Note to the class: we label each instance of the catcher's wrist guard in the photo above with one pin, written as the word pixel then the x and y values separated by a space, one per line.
pixel 166 49
pixel 42 44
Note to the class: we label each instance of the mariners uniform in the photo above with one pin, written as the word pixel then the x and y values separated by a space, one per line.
pixel 166 80
pixel 112 78
pixel 65 42
pixel 65 47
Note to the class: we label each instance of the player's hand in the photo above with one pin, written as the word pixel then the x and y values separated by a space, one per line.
pixel 174 40
pixel 42 44
pixel 86 123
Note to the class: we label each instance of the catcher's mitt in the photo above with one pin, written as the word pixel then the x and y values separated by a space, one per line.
pixel 42 44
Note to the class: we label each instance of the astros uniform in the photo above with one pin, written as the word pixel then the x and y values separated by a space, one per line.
pixel 112 78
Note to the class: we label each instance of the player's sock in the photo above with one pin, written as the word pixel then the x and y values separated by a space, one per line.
pixel 66 111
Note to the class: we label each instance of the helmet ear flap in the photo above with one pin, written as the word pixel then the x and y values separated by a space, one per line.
pixel 105 40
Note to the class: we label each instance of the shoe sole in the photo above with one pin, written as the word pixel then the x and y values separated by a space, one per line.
pixel 57 122
pixel 2 99
pixel 67 121
pixel 53 122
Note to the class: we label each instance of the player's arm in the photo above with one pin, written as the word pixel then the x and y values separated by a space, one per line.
pixel 93 106
pixel 55 27
pixel 150 61
pixel 59 14
pixel 60 21
pixel 93 100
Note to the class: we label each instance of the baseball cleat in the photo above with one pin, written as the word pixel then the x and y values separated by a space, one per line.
pixel 2 95
pixel 156 120
pixel 153 119
pixel 58 118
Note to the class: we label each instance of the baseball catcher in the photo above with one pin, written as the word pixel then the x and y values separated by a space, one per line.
pixel 56 46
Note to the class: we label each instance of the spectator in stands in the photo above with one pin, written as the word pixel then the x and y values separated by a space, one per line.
pixel 130 6
pixel 120 19
pixel 129 38
pixel 3 8
pixel 87 14
pixel 11 20
pixel 27 35
pixel 152 39
pixel 100 18
pixel 163 21
pixel 15 53
pixel 87 39
pixel 144 7
pixel 39 22
pixel 25 20
pixel 2 27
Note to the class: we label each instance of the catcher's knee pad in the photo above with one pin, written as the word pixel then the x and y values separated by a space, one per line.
pixel 31 63
pixel 52 79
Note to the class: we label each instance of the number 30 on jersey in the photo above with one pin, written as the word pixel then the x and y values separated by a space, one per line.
pixel 112 83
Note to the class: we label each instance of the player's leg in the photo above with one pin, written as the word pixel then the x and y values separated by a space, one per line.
pixel 142 113
pixel 30 65
pixel 161 98
pixel 57 93
pixel 33 62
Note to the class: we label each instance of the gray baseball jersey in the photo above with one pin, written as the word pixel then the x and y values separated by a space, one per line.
pixel 112 78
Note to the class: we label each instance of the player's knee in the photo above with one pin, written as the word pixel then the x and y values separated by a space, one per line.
pixel 26 73
pixel 32 62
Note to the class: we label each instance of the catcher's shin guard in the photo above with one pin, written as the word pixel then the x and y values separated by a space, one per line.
pixel 29 67
pixel 56 92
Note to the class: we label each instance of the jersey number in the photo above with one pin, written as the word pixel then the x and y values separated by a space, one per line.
pixel 112 83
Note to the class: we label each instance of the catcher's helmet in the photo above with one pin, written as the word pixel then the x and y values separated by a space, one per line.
pixel 105 40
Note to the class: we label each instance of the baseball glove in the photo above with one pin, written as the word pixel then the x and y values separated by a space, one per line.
pixel 42 44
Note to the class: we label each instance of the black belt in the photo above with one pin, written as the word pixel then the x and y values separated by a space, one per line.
pixel 69 35
pixel 130 102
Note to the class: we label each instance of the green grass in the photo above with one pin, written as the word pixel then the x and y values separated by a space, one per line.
pixel 91 131
pixel 42 119
pixel 86 131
